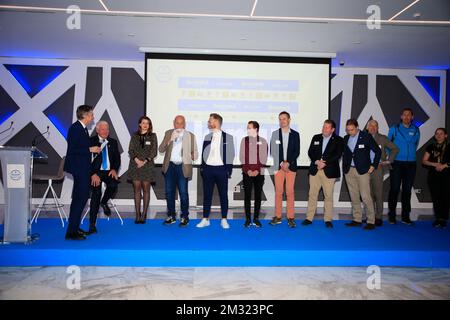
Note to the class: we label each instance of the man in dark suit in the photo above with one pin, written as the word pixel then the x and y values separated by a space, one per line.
pixel 78 163
pixel 358 165
pixel 104 168
pixel 324 151
pixel 285 149
pixel 217 166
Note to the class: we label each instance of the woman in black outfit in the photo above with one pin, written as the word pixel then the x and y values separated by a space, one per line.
pixel 141 170
pixel 437 159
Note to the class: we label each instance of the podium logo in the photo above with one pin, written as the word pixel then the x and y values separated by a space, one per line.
pixel 15 175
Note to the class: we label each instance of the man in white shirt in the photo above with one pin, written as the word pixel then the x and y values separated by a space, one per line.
pixel 180 148
pixel 217 166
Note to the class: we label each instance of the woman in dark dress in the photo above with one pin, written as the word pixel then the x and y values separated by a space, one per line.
pixel 141 170
pixel 437 159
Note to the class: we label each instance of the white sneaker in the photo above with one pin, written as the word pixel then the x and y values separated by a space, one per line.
pixel 203 223
pixel 224 224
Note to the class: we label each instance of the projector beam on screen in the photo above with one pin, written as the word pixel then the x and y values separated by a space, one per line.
pixel 240 88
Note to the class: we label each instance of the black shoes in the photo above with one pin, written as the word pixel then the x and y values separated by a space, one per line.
pixel 353 224
pixel 184 222
pixel 369 226
pixel 378 222
pixel 82 232
pixel 392 219
pixel 140 219
pixel 329 224
pixel 170 220
pixel 306 222
pixel 106 209
pixel 440 224
pixel 291 223
pixel 75 236
pixel 275 221
pixel 256 223
pixel 92 229
pixel 407 221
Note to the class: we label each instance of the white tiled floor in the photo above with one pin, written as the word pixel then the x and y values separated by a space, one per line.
pixel 223 283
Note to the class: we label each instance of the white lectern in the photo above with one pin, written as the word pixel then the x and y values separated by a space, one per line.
pixel 17 170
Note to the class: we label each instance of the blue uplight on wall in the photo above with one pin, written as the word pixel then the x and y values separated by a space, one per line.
pixel 34 78
pixel 432 85
pixel 61 128
pixel 5 116
pixel 417 123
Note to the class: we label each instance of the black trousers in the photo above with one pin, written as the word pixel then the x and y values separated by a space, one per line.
pixel 249 183
pixel 110 191
pixel 439 183
pixel 402 174
pixel 80 195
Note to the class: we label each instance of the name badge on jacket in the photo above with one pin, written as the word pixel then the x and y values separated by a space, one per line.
pixel 316 143
pixel 277 141
pixel 147 143
pixel 361 146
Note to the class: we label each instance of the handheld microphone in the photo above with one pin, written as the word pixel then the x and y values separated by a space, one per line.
pixel 33 143
pixel 102 146
pixel 9 128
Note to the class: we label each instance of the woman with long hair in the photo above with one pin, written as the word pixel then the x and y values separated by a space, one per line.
pixel 437 159
pixel 141 170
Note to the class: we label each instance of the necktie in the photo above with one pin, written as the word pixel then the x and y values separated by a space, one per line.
pixel 87 132
pixel 104 159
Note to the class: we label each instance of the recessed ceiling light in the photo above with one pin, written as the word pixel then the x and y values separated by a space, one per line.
pixel 417 15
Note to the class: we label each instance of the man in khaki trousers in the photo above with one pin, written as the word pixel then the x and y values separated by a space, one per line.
pixel 358 166
pixel 376 178
pixel 324 151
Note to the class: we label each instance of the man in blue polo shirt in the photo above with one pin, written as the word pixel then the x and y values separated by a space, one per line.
pixel 406 136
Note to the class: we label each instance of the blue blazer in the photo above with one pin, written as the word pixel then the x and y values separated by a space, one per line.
pixel 226 152
pixel 78 157
pixel 293 149
pixel 361 154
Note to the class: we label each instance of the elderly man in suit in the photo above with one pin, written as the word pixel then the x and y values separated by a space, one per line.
pixel 180 148
pixel 358 166
pixel 376 178
pixel 324 151
pixel 78 163
pixel 104 169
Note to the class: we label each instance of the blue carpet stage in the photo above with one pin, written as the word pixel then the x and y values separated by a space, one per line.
pixel 153 244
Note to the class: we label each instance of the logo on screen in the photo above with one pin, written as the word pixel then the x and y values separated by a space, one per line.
pixel 164 73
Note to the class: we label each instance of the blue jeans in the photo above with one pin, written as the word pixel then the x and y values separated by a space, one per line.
pixel 174 178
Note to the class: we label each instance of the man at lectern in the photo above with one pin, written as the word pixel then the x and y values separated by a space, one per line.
pixel 78 163
pixel 104 169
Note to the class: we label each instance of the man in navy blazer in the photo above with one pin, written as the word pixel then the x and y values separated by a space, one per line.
pixel 358 166
pixel 217 166
pixel 284 149
pixel 324 151
pixel 78 163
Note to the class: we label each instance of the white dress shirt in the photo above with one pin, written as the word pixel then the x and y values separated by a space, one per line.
pixel 176 155
pixel 214 158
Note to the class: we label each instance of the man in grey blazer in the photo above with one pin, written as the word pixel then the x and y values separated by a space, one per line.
pixel 376 178
pixel 180 148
